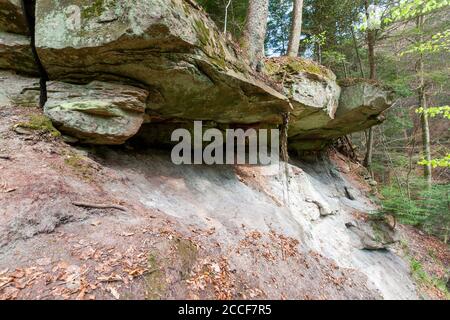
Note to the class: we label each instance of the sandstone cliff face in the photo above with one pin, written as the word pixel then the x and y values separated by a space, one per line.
pixel 212 232
pixel 16 54
pixel 170 47
pixel 174 51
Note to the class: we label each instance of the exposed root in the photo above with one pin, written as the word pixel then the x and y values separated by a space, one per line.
pixel 99 206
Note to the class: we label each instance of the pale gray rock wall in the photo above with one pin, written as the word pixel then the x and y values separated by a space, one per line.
pixel 205 197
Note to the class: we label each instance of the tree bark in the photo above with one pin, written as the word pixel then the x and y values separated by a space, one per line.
pixel 369 151
pixel 371 45
pixel 358 56
pixel 296 28
pixel 424 105
pixel 426 140
pixel 371 38
pixel 254 35
pixel 225 24
pixel 29 9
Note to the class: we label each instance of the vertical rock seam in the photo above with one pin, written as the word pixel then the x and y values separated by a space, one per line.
pixel 29 9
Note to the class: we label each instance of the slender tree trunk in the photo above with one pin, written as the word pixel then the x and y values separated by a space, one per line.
pixel 296 29
pixel 358 56
pixel 371 44
pixel 369 150
pixel 424 120
pixel 371 38
pixel 253 37
pixel 225 25
pixel 423 104
pixel 319 59
pixel 345 69
pixel 29 8
pixel 426 142
pixel 411 152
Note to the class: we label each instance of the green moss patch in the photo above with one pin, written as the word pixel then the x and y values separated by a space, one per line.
pixel 155 280
pixel 187 253
pixel 79 165
pixel 348 82
pixel 94 10
pixel 40 123
pixel 282 66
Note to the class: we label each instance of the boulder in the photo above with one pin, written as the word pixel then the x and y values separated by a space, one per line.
pixel 171 47
pixel 311 88
pixel 361 106
pixel 374 234
pixel 12 18
pixel 96 113
pixel 322 110
pixel 15 42
pixel 20 91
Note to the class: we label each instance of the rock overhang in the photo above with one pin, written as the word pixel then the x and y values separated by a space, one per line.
pixel 171 47
pixel 176 54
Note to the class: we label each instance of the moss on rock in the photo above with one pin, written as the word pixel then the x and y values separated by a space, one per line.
pixel 279 68
pixel 155 280
pixel 40 123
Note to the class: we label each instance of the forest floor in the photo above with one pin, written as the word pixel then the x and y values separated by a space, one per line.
pixel 66 234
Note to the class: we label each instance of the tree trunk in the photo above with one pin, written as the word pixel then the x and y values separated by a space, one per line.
pixel 254 35
pixel 371 44
pixel 29 8
pixel 369 151
pixel 371 37
pixel 345 69
pixel 296 29
pixel 423 104
pixel 426 142
pixel 358 56
pixel 225 24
